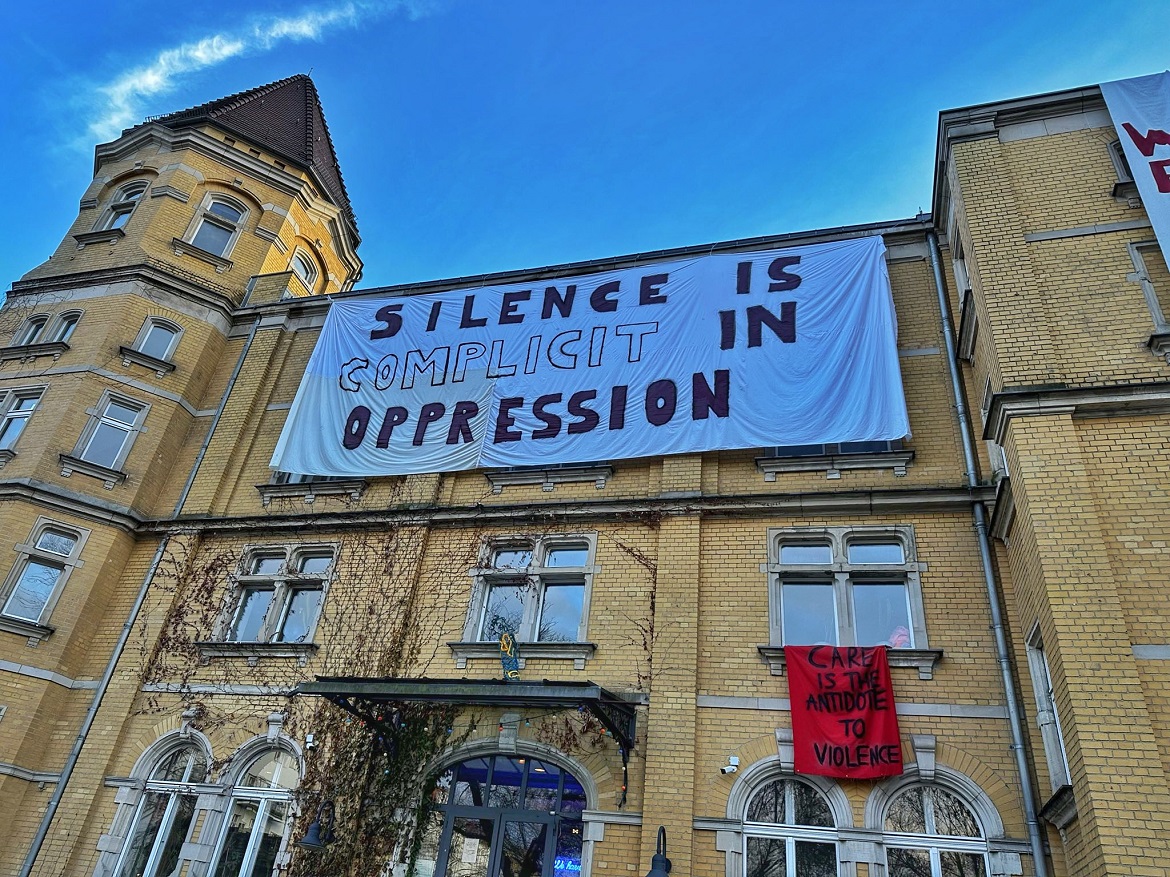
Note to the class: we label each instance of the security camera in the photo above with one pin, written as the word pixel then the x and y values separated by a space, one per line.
pixel 732 765
pixel 310 743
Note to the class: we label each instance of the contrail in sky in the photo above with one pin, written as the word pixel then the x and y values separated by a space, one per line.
pixel 121 101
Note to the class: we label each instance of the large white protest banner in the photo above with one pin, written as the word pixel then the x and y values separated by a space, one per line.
pixel 1140 109
pixel 741 350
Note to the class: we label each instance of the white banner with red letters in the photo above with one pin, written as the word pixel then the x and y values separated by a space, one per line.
pixel 1140 109
pixel 740 350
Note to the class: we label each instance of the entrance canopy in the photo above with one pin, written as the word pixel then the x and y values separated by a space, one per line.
pixel 366 698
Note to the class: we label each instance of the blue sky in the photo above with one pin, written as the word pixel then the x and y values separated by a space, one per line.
pixel 484 135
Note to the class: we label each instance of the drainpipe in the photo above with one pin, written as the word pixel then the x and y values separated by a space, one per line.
pixel 124 635
pixel 979 511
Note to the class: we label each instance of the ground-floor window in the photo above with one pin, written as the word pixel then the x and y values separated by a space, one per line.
pixel 789 831
pixel 258 817
pixel 163 818
pixel 504 816
pixel 931 833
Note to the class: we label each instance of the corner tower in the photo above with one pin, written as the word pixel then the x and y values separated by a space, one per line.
pixel 115 357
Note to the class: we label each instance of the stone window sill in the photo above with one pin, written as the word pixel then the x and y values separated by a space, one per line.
pixel 1159 345
pixel 255 651
pixel 832 464
pixel 183 248
pixel 578 653
pixel 35 632
pixel 25 352
pixel 6 455
pixel 310 490
pixel 1127 192
pixel 109 477
pixel 1061 808
pixel 548 477
pixel 101 236
pixel 924 660
pixel 159 366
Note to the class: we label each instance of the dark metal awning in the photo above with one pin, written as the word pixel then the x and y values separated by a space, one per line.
pixel 362 696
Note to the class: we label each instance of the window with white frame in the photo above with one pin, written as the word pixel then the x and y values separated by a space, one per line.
pixel 845 586
pixel 789 831
pixel 122 206
pixel 42 568
pixel 1151 271
pixel 279 595
pixel 218 225
pixel 931 832
pixel 1120 162
pixel 30 332
pixel 158 338
pixel 17 407
pixel 63 326
pixel 163 818
pixel 1046 715
pixel 536 589
pixel 282 477
pixel 303 266
pixel 258 818
pixel 878 447
pixel 114 424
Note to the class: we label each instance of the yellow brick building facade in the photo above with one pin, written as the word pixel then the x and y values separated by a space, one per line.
pixel 155 719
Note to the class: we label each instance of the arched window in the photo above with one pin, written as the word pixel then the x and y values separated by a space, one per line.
pixel 30 332
pixel 219 225
pixel 930 832
pixel 122 205
pixel 504 816
pixel 63 328
pixel 789 831
pixel 163 819
pixel 253 833
pixel 303 266
pixel 157 338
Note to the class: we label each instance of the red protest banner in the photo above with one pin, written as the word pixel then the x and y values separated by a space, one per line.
pixel 843 718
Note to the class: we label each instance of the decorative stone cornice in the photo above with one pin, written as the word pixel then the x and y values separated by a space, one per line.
pixel 569 512
pixel 165 276
pixel 68 502
pixel 1101 401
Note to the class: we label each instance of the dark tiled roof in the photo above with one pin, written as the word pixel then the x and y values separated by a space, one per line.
pixel 283 117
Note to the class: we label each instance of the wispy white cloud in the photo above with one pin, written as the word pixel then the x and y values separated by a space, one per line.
pixel 120 102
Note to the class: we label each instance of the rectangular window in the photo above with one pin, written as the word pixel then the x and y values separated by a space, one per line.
pixel 535 589
pixel 279 596
pixel 42 567
pixel 111 432
pixel 846 586
pixel 18 407
pixel 878 447
pixel 1152 272
pixel 1046 715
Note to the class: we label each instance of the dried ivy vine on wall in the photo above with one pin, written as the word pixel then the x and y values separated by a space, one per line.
pixel 397 594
